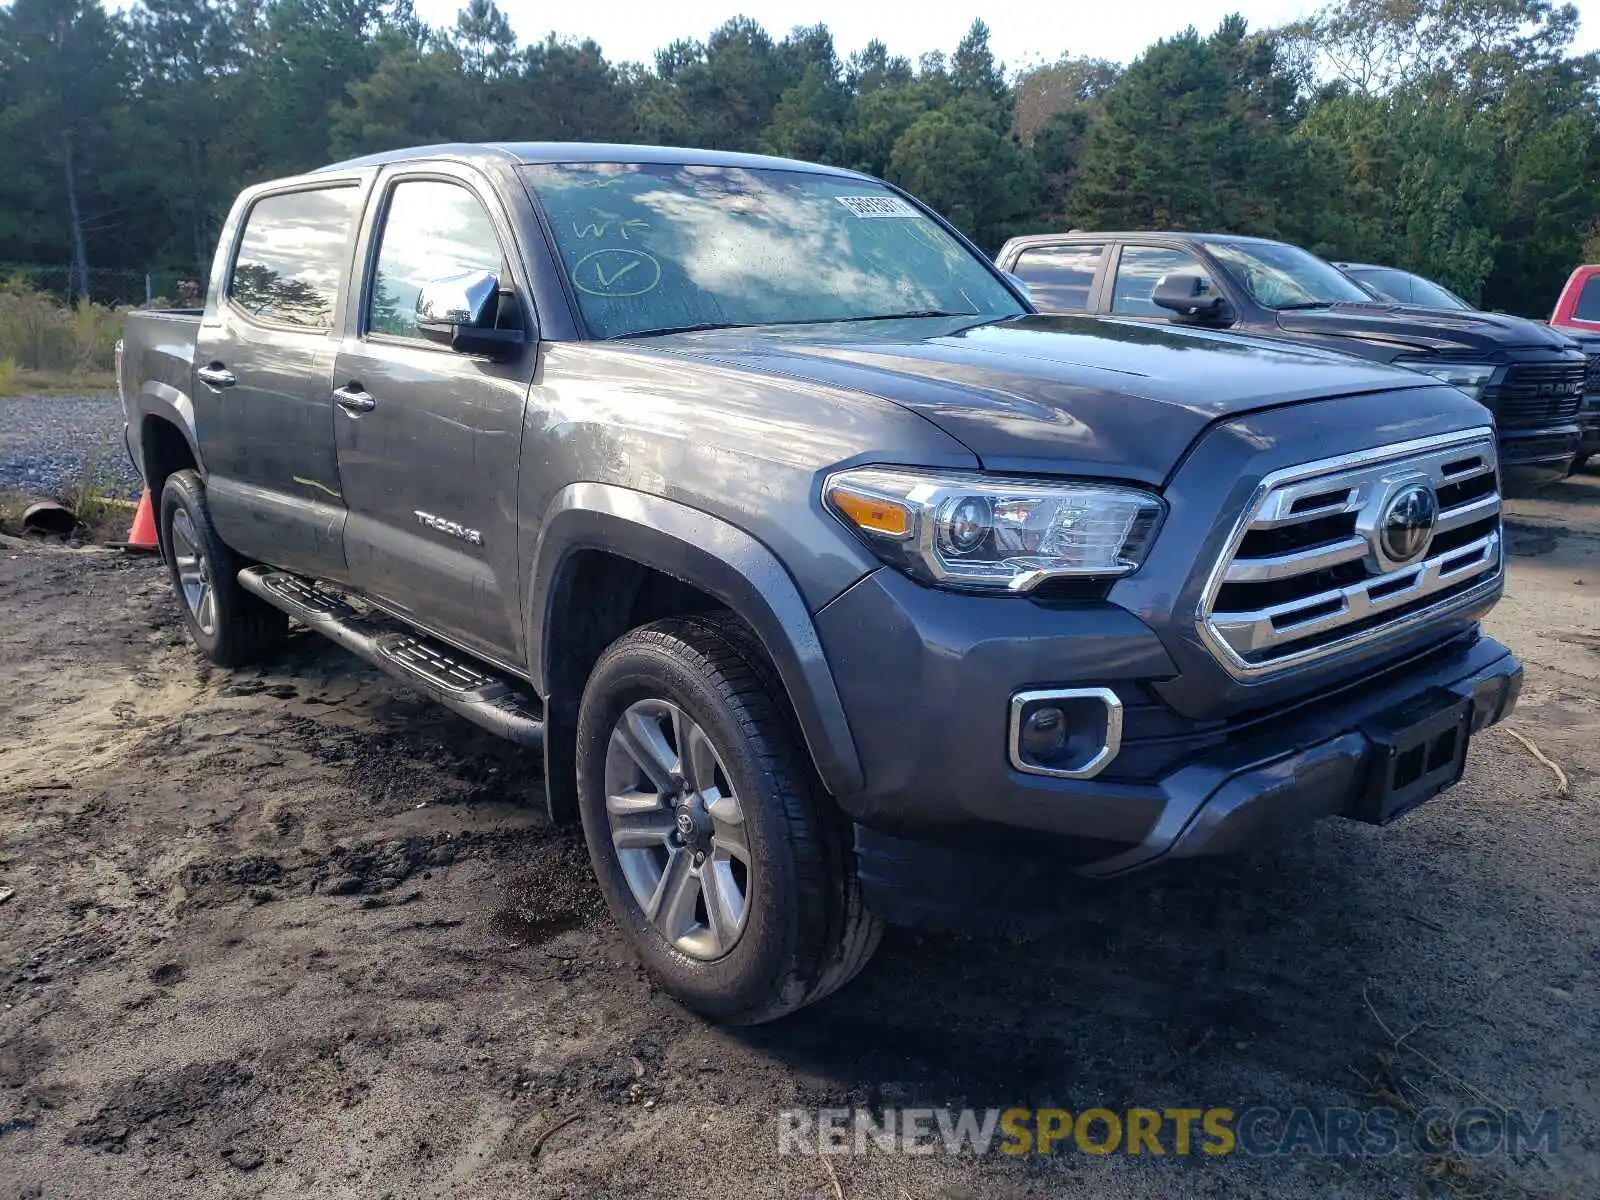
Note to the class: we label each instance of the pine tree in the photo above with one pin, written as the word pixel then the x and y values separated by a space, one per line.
pixel 66 69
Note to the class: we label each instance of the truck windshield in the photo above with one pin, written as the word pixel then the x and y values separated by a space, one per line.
pixel 655 248
pixel 1426 292
pixel 1281 276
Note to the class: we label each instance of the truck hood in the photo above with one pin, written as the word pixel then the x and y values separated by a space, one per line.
pixel 1435 330
pixel 1050 394
pixel 1587 340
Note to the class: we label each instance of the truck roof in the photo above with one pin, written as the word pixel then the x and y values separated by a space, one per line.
pixel 581 152
pixel 1182 235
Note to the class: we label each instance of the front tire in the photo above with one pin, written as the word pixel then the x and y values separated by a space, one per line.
pixel 227 624
pixel 720 855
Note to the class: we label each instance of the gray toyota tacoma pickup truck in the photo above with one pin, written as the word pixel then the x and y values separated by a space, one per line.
pixel 837 585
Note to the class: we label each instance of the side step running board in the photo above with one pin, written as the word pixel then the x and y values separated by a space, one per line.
pixel 441 672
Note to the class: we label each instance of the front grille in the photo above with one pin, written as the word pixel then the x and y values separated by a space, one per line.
pixel 1537 394
pixel 1306 573
pixel 1593 385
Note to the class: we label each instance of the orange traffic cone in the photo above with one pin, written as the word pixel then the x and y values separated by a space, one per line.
pixel 142 533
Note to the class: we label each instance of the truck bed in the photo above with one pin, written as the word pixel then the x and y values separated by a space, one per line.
pixel 155 367
pixel 157 348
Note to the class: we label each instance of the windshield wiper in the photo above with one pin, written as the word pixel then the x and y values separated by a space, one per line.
pixel 1304 304
pixel 921 312
pixel 666 329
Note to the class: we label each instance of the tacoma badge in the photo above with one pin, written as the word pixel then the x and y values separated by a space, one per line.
pixel 454 528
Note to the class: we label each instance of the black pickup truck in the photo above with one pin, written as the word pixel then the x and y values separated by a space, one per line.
pixel 836 584
pixel 1529 377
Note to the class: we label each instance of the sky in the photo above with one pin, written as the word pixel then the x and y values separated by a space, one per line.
pixel 1022 32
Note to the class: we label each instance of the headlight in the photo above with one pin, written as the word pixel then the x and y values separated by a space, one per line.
pixel 977 532
pixel 1471 378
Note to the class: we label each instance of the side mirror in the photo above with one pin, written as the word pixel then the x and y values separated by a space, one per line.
pixel 1189 296
pixel 455 312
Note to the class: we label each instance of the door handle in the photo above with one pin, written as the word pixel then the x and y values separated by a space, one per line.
pixel 353 399
pixel 215 375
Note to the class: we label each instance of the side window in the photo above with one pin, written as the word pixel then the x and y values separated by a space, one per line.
pixel 432 230
pixel 1059 277
pixel 1139 269
pixel 292 256
pixel 1588 307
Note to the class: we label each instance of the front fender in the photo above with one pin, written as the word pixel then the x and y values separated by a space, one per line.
pixel 719 559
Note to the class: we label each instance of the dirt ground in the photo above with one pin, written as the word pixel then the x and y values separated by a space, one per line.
pixel 294 932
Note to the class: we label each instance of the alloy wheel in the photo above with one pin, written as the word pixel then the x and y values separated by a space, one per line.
pixel 678 828
pixel 194 573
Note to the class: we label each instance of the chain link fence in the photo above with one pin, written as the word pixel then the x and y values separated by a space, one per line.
pixel 114 287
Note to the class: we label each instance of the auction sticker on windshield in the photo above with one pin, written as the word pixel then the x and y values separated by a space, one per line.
pixel 877 206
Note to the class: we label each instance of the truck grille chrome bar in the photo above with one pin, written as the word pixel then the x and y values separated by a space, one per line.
pixel 1350 550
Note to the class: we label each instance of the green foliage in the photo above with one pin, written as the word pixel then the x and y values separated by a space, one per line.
pixel 808 122
pixel 1197 134
pixel 413 96
pixel 38 333
pixel 483 41
pixel 981 181
pixel 91 493
pixel 1458 138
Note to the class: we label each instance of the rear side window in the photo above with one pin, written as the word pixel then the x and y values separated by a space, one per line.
pixel 1588 308
pixel 432 231
pixel 1059 277
pixel 1140 268
pixel 293 255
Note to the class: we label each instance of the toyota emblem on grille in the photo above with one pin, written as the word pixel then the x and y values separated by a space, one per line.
pixel 1406 526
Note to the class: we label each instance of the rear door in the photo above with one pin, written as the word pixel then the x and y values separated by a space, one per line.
pixel 1061 277
pixel 263 358
pixel 429 439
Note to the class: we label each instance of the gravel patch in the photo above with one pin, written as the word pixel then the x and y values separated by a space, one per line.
pixel 45 442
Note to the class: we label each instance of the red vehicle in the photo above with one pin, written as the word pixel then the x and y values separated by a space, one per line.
pixel 1577 315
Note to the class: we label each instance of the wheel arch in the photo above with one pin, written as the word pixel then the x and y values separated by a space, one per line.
pixel 166 437
pixel 572 615
pixel 165 448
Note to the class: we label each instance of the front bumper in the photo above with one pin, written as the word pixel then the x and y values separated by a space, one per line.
pixel 1208 760
pixel 1531 458
pixel 1589 421
pixel 951 831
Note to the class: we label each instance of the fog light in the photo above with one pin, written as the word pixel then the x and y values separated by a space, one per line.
pixel 1065 733
pixel 1044 733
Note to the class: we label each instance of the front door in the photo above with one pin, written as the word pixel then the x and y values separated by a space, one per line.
pixel 429 439
pixel 1139 270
